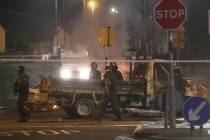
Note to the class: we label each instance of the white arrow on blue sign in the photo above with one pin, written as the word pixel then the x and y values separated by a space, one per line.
pixel 196 111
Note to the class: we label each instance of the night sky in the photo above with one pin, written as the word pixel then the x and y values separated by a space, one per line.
pixel 198 27
pixel 24 17
pixel 33 19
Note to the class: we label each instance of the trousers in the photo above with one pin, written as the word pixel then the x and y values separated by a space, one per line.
pixel 22 112
pixel 114 104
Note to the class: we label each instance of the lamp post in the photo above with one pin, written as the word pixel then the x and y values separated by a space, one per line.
pixel 84 6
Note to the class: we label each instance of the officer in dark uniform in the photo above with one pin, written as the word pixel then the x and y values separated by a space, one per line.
pixel 21 89
pixel 180 80
pixel 143 82
pixel 110 83
pixel 94 73
pixel 117 72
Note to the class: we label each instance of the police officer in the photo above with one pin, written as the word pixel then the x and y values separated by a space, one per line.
pixel 110 83
pixel 117 72
pixel 21 90
pixel 94 73
pixel 180 80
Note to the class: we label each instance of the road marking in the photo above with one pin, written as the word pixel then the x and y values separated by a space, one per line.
pixel 40 132
pixel 48 132
pixel 124 138
pixel 5 134
pixel 65 132
pixel 73 126
pixel 26 133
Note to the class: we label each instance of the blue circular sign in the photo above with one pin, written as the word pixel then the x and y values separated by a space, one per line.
pixel 196 111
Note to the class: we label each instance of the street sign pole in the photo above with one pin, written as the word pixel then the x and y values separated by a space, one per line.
pixel 107 45
pixel 172 93
pixel 170 106
pixel 170 15
pixel 107 36
pixel 167 97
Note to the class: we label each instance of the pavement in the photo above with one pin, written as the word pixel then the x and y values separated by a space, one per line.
pixel 171 134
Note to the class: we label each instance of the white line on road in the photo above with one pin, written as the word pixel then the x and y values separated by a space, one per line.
pixel 40 132
pixel 48 132
pixel 65 132
pixel 26 133
pixel 72 126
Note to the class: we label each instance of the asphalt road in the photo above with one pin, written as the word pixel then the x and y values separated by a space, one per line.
pixel 55 126
pixel 64 133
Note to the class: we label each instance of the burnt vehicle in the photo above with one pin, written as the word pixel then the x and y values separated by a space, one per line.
pixel 82 97
pixel 39 99
pixel 79 96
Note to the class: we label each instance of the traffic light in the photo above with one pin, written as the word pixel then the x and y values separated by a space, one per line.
pixel 178 38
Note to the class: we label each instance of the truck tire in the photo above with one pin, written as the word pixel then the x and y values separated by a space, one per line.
pixel 84 108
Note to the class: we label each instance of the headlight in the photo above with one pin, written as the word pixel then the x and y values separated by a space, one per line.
pixel 84 73
pixel 45 57
pixel 65 73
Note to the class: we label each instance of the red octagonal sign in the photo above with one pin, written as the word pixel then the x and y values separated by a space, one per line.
pixel 170 14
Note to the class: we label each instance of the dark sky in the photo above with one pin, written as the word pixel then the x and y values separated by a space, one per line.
pixel 197 25
pixel 32 18
pixel 21 17
pixel 36 18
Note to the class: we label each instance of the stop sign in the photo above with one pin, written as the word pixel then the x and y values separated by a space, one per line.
pixel 170 14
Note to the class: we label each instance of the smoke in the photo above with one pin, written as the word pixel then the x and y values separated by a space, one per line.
pixel 84 32
pixel 134 21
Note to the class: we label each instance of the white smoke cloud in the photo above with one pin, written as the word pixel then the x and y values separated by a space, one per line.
pixel 128 22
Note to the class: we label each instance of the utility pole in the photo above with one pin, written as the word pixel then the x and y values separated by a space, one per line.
pixel 55 38
pixel 145 29
pixel 59 37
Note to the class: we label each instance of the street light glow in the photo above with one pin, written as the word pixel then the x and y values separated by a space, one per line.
pixel 114 10
pixel 92 6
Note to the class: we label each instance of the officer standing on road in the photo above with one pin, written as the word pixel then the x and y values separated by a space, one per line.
pixel 21 89
pixel 94 73
pixel 117 72
pixel 110 84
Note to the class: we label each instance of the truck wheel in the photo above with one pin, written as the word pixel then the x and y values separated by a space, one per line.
pixel 84 108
